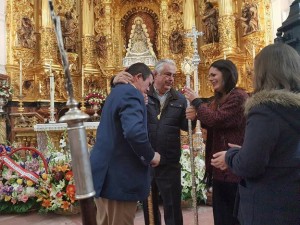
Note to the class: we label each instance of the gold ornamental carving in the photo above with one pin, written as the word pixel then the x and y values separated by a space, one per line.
pixel 227 36
pixel 210 52
pixel 96 34
pixel 48 45
pixel 88 50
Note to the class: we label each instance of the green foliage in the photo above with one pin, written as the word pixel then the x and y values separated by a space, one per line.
pixel 19 207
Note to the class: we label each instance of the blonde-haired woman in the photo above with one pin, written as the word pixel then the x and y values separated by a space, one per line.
pixel 269 159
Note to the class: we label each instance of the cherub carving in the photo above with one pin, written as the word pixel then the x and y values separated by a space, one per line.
pixel 249 18
pixel 25 33
pixel 176 42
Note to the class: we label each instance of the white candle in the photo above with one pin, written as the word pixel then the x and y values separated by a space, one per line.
pixel 224 55
pixel 21 79
pixel 253 52
pixel 40 87
pixel 82 83
pixel 51 86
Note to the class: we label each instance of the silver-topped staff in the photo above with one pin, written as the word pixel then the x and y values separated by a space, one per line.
pixel 77 135
pixel 187 68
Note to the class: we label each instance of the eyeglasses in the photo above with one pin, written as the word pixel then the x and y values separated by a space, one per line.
pixel 169 74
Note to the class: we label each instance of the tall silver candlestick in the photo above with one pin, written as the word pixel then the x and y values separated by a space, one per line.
pixel 52 93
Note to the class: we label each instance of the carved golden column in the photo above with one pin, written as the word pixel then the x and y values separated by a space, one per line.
pixel 88 35
pixel 48 39
pixel 188 14
pixel 188 23
pixel 3 137
pixel 108 31
pixel 227 31
pixel 164 44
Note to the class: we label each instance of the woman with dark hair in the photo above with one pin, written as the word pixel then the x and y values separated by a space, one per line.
pixel 225 123
pixel 269 159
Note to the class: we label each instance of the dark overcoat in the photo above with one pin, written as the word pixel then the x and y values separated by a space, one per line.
pixel 269 160
pixel 122 152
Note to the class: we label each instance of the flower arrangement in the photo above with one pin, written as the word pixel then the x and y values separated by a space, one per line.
pixel 186 176
pixel 5 89
pixel 96 97
pixel 20 170
pixel 57 188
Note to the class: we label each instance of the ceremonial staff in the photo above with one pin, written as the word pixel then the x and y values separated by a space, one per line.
pixel 188 68
pixel 77 135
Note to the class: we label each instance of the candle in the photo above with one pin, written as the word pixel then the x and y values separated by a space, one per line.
pixel 82 83
pixel 52 93
pixel 21 79
pixel 224 55
pixel 40 87
pixel 253 52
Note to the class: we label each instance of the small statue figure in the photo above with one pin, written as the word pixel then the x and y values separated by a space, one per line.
pixel 249 19
pixel 25 33
pixel 101 48
pixel 176 42
pixel 70 29
pixel 210 21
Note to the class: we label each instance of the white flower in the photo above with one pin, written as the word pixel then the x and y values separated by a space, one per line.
pixel 186 178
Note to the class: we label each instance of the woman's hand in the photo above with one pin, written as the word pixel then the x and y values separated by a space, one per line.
pixel 190 113
pixel 218 160
pixel 190 94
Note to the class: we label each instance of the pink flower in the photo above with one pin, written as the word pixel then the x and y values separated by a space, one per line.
pixel 185 147
pixel 23 198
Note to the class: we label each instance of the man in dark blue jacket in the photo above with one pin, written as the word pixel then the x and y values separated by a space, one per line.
pixel 166 117
pixel 122 153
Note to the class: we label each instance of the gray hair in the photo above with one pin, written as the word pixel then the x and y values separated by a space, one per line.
pixel 277 66
pixel 160 64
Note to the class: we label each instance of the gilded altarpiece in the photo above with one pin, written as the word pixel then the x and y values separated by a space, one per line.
pixel 96 34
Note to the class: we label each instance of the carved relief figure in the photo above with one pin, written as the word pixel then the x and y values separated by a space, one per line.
pixel 101 46
pixel 25 33
pixel 249 18
pixel 210 21
pixel 176 42
pixel 70 30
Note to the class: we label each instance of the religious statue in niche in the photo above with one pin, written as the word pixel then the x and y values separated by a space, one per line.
pixel 210 22
pixel 249 18
pixel 139 43
pixel 25 34
pixel 176 42
pixel 70 32
pixel 101 48
pixel 139 47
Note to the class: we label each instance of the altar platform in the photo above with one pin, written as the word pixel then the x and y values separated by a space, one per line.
pixel 205 217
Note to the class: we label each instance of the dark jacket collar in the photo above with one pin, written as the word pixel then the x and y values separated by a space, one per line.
pixel 173 92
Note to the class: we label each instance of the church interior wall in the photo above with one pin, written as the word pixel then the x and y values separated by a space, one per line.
pixel 103 42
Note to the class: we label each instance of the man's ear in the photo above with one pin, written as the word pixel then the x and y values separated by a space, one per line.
pixel 139 75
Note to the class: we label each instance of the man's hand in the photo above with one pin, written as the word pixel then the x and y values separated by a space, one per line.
pixel 156 159
pixel 123 77
pixel 145 98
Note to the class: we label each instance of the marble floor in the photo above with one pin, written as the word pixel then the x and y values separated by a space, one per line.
pixel 204 218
